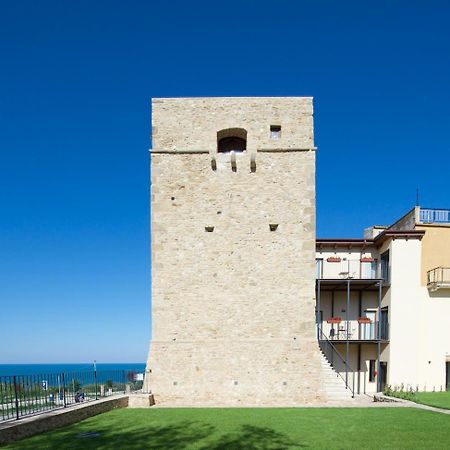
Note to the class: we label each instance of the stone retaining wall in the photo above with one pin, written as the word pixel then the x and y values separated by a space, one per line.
pixel 29 426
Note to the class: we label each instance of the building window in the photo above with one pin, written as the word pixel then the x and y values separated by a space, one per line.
pixel 231 139
pixel 385 272
pixel 275 131
pixel 372 374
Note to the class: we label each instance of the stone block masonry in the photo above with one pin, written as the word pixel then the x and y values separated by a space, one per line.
pixel 233 263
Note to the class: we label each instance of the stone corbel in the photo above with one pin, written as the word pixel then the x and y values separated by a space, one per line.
pixel 253 162
pixel 233 161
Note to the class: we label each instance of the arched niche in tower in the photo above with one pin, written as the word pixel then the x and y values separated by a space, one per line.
pixel 231 139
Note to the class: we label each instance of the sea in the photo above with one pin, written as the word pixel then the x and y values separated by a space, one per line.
pixel 43 369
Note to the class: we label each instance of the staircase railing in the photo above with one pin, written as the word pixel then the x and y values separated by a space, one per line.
pixel 331 353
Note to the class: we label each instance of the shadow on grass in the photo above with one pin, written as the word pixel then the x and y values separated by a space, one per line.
pixel 171 437
pixel 177 436
pixel 250 437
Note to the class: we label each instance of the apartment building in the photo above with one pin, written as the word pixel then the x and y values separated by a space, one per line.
pixel 383 302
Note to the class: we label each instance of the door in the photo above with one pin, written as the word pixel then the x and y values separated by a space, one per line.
pixel 383 375
pixel 385 271
pixel 384 323
pixel 368 270
pixel 447 378
pixel 369 328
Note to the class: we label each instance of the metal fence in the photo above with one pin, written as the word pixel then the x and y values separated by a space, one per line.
pixel 24 395
pixel 439 275
pixel 428 215
pixel 356 331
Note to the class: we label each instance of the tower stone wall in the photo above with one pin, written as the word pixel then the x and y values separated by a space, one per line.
pixel 233 254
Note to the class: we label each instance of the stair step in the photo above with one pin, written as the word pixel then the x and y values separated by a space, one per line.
pixel 333 384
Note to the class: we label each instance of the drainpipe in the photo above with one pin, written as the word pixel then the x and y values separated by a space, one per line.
pixel 347 349
pixel 379 337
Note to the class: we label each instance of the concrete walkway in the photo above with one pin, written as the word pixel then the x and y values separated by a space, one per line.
pixel 409 404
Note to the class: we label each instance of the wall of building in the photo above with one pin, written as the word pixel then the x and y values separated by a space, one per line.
pixel 334 304
pixel 349 264
pixel 406 222
pixel 369 301
pixel 359 361
pixel 418 331
pixel 182 124
pixel 435 248
pixel 233 308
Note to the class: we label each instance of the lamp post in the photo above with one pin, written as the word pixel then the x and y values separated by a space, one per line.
pixel 95 378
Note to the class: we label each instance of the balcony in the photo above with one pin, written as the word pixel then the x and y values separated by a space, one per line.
pixel 335 268
pixel 359 330
pixel 438 278
pixel 435 215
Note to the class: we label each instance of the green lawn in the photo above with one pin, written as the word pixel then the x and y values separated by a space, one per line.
pixel 251 429
pixel 439 399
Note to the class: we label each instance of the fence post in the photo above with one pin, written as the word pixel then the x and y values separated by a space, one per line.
pixel 95 380
pixel 16 397
pixel 124 381
pixel 64 389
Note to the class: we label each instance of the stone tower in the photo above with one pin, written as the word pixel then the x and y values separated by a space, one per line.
pixel 233 240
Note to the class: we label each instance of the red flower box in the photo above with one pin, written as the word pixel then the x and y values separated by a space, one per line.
pixel 364 320
pixel 334 259
pixel 367 260
pixel 334 320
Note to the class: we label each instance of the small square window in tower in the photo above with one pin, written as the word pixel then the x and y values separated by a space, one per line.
pixel 275 131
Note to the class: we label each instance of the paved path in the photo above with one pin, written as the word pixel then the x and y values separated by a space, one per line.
pixel 410 404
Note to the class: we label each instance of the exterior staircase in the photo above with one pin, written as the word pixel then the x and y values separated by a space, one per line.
pixel 334 385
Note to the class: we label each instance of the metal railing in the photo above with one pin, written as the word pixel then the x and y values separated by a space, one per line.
pixel 439 275
pixel 338 362
pixel 356 331
pixel 25 395
pixel 429 215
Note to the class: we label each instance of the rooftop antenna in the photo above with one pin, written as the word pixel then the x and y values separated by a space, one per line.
pixel 417 196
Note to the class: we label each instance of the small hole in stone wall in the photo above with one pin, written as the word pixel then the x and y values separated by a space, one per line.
pixel 284 383
pixel 235 383
pixel 209 229
pixel 219 212
pixel 172 198
pixel 273 226
pixel 175 383
pixel 275 131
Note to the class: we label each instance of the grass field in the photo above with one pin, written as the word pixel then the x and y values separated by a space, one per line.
pixel 251 429
pixel 439 399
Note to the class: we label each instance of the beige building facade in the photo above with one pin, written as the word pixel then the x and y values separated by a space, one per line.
pixel 233 241
pixel 383 302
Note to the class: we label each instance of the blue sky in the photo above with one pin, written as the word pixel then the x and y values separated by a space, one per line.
pixel 76 80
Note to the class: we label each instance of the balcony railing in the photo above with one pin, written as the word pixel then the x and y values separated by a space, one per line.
pixel 356 331
pixel 347 269
pixel 435 215
pixel 438 278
